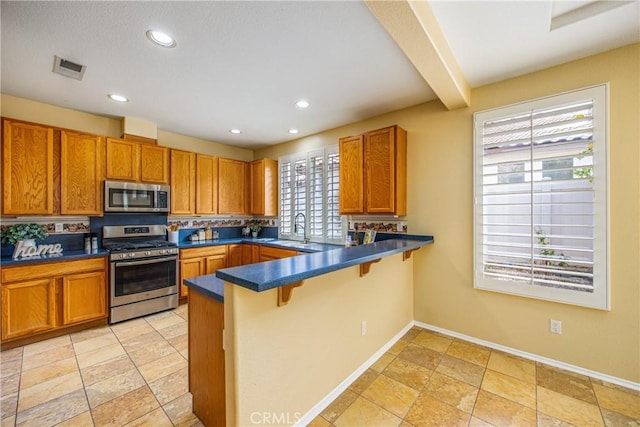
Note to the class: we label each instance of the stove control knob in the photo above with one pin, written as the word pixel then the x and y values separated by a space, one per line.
pixel 147 253
pixel 163 251
pixel 132 254
pixel 123 255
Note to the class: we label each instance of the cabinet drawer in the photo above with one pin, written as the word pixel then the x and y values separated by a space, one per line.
pixel 30 271
pixel 267 252
pixel 203 252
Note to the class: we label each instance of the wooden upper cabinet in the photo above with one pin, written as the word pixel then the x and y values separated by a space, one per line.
pixel 82 172
pixel 28 169
pixel 385 157
pixel 232 186
pixel 264 187
pixel 206 184
pixel 123 160
pixel 137 162
pixel 352 175
pixel 379 185
pixel 183 182
pixel 154 164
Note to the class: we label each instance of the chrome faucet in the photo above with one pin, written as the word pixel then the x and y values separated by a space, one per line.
pixel 296 226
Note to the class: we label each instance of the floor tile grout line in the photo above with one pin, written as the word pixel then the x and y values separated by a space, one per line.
pixel 143 378
pixel 84 388
pixel 161 406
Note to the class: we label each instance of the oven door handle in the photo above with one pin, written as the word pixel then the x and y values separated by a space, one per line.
pixel 149 261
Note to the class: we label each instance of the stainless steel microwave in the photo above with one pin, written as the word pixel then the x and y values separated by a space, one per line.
pixel 135 197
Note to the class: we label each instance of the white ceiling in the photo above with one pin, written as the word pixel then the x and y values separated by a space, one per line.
pixel 244 64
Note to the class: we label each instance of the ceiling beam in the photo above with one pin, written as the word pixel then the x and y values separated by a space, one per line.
pixel 417 32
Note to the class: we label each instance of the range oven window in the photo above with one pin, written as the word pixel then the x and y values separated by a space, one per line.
pixel 132 277
pixel 128 198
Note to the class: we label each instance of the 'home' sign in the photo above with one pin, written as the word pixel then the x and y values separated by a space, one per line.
pixel 23 250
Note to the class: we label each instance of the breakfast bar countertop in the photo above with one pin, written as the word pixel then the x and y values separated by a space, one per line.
pixel 281 272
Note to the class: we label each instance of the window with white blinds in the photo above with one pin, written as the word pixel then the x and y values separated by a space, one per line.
pixel 540 209
pixel 309 195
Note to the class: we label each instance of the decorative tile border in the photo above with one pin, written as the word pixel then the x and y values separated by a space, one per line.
pixel 188 222
pixel 70 225
pixel 383 225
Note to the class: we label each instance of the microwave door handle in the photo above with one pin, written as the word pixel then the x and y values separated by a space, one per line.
pixel 151 261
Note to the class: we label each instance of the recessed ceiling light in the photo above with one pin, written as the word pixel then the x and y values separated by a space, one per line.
pixel 302 104
pixel 236 131
pixel 293 131
pixel 161 39
pixel 117 98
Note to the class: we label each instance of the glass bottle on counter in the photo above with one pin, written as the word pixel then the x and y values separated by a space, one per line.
pixel 208 234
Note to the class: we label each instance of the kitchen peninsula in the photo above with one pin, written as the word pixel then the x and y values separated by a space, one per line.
pixel 272 341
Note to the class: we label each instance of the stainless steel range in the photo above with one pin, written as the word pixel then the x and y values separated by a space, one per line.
pixel 143 270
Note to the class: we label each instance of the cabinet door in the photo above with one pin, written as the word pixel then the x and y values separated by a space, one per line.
pixel 246 253
pixel 214 263
pixel 235 254
pixel 154 164
pixel 183 182
pixel 123 160
pixel 28 307
pixel 206 184
pixel 379 158
pixel 27 160
pixel 82 173
pixel 84 297
pixel 264 187
pixel 385 179
pixel 351 175
pixel 189 268
pixel 231 187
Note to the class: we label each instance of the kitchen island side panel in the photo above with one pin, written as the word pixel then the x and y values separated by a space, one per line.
pixel 282 361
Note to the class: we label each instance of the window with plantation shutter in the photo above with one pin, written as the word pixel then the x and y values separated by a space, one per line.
pixel 540 211
pixel 309 185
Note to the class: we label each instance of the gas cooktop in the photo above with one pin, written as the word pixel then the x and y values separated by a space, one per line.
pixel 129 245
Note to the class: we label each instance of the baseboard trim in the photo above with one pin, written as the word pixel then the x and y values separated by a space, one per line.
pixel 558 364
pixel 333 394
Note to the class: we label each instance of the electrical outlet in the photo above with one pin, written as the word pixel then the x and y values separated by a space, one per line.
pixel 58 227
pixel 363 328
pixel 555 327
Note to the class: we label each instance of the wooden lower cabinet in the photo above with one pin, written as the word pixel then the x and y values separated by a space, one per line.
pixel 250 253
pixel 28 307
pixel 235 255
pixel 200 261
pixel 40 301
pixel 268 253
pixel 84 297
pixel 206 359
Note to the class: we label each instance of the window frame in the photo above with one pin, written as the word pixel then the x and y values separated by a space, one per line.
pixel 292 212
pixel 600 297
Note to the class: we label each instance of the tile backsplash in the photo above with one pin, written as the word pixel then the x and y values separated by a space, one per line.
pixel 380 224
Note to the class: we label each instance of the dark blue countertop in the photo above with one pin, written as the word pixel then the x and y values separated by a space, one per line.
pixel 209 285
pixel 276 243
pixel 65 256
pixel 272 274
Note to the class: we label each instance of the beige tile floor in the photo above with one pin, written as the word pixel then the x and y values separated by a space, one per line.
pixel 429 379
pixel 133 373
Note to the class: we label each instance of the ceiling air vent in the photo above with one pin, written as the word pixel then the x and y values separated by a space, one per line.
pixel 68 69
